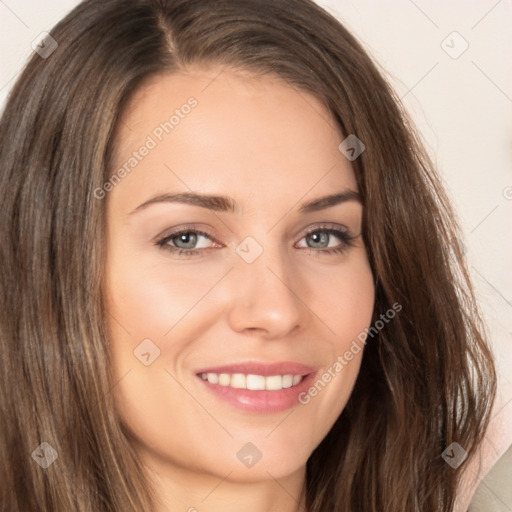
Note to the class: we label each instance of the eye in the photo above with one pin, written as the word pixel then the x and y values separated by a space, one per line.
pixel 188 242
pixel 323 239
pixel 185 241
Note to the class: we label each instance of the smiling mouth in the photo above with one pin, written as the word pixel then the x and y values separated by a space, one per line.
pixel 256 386
pixel 252 382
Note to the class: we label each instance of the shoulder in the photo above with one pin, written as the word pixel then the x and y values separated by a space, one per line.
pixel 491 464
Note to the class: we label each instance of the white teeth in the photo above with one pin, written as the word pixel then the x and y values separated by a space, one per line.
pixel 238 381
pixel 224 379
pixel 274 383
pixel 213 378
pixel 288 381
pixel 253 382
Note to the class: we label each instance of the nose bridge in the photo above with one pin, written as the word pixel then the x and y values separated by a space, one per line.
pixel 263 295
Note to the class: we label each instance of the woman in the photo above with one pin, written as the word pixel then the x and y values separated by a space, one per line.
pixel 231 279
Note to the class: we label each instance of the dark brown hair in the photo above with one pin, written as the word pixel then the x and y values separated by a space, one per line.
pixel 427 378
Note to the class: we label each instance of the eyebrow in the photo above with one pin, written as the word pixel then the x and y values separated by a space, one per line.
pixel 227 204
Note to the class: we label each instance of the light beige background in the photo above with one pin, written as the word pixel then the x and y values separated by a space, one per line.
pixel 463 108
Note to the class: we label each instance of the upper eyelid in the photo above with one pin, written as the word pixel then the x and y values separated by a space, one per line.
pixel 165 238
pixel 326 226
pixel 184 229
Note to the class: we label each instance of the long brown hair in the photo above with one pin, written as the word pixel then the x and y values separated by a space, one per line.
pixel 427 378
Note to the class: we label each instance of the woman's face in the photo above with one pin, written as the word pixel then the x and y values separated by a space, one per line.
pixel 259 291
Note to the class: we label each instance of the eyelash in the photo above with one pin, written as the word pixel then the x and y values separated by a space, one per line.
pixel 347 240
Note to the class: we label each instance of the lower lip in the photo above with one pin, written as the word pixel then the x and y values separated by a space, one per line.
pixel 261 401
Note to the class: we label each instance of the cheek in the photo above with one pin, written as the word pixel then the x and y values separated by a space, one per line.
pixel 344 298
pixel 149 299
pixel 346 309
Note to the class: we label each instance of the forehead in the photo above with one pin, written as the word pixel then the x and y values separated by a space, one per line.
pixel 224 130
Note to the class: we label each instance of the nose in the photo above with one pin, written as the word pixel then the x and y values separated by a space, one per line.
pixel 265 298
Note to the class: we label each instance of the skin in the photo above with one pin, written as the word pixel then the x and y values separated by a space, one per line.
pixel 270 148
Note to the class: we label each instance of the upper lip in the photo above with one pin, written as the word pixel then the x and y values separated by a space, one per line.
pixel 259 368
